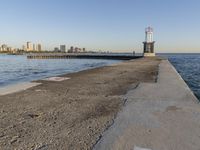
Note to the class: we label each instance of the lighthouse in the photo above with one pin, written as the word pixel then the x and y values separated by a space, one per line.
pixel 149 43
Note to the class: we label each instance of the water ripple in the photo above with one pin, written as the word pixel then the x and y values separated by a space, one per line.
pixel 189 68
pixel 14 69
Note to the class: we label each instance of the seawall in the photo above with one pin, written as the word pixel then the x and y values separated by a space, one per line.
pixel 82 56
pixel 158 116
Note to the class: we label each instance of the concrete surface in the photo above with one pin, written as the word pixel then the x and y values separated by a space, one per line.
pixel 70 114
pixel 157 116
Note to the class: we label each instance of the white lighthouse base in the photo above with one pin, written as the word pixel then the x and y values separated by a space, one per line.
pixel 149 54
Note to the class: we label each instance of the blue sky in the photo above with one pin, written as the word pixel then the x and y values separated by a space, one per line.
pixel 115 25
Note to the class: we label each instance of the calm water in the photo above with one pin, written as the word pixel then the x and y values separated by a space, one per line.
pixel 188 65
pixel 16 69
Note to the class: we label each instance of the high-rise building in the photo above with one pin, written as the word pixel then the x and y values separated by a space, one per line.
pixel 56 49
pixel 39 47
pixel 76 49
pixel 4 47
pixel 29 46
pixel 62 48
pixel 23 47
pixel 34 47
pixel 71 50
pixel 9 49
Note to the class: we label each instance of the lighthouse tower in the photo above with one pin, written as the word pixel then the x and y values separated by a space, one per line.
pixel 149 43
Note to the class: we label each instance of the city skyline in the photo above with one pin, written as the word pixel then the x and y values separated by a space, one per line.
pixel 102 25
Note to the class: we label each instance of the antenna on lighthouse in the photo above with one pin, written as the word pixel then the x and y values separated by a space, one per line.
pixel 149 43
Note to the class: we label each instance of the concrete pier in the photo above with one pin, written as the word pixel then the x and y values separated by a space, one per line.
pixel 157 116
pixel 82 56
pixel 71 113
pixel 125 106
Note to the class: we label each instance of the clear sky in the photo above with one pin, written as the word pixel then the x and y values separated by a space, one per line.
pixel 115 25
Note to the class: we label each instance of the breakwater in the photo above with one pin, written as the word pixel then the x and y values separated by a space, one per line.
pixel 188 65
pixel 82 56
pixel 163 115
pixel 160 111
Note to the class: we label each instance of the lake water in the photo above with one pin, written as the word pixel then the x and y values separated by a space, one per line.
pixel 16 69
pixel 188 65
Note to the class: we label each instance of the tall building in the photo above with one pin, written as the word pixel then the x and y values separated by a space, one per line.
pixel 9 49
pixel 149 43
pixel 34 47
pixel 76 49
pixel 29 46
pixel 23 47
pixel 4 47
pixel 39 47
pixel 56 49
pixel 71 50
pixel 62 48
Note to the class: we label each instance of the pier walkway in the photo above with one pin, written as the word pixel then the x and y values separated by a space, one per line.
pixel 157 116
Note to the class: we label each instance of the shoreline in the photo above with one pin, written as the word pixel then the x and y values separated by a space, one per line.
pixel 18 87
pixel 21 86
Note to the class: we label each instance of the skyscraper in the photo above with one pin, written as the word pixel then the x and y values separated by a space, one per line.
pixel 4 47
pixel 23 47
pixel 62 48
pixel 39 47
pixel 29 46
pixel 34 47
pixel 71 50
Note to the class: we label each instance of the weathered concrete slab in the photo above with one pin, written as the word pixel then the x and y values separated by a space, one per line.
pixel 158 116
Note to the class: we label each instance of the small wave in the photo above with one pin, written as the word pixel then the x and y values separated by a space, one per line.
pixel 189 68
pixel 27 70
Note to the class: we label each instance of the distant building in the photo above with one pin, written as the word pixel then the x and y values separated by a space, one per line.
pixel 62 48
pixel 9 49
pixel 39 47
pixel 56 49
pixel 29 46
pixel 76 50
pixel 34 47
pixel 4 47
pixel 71 50
pixel 23 47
